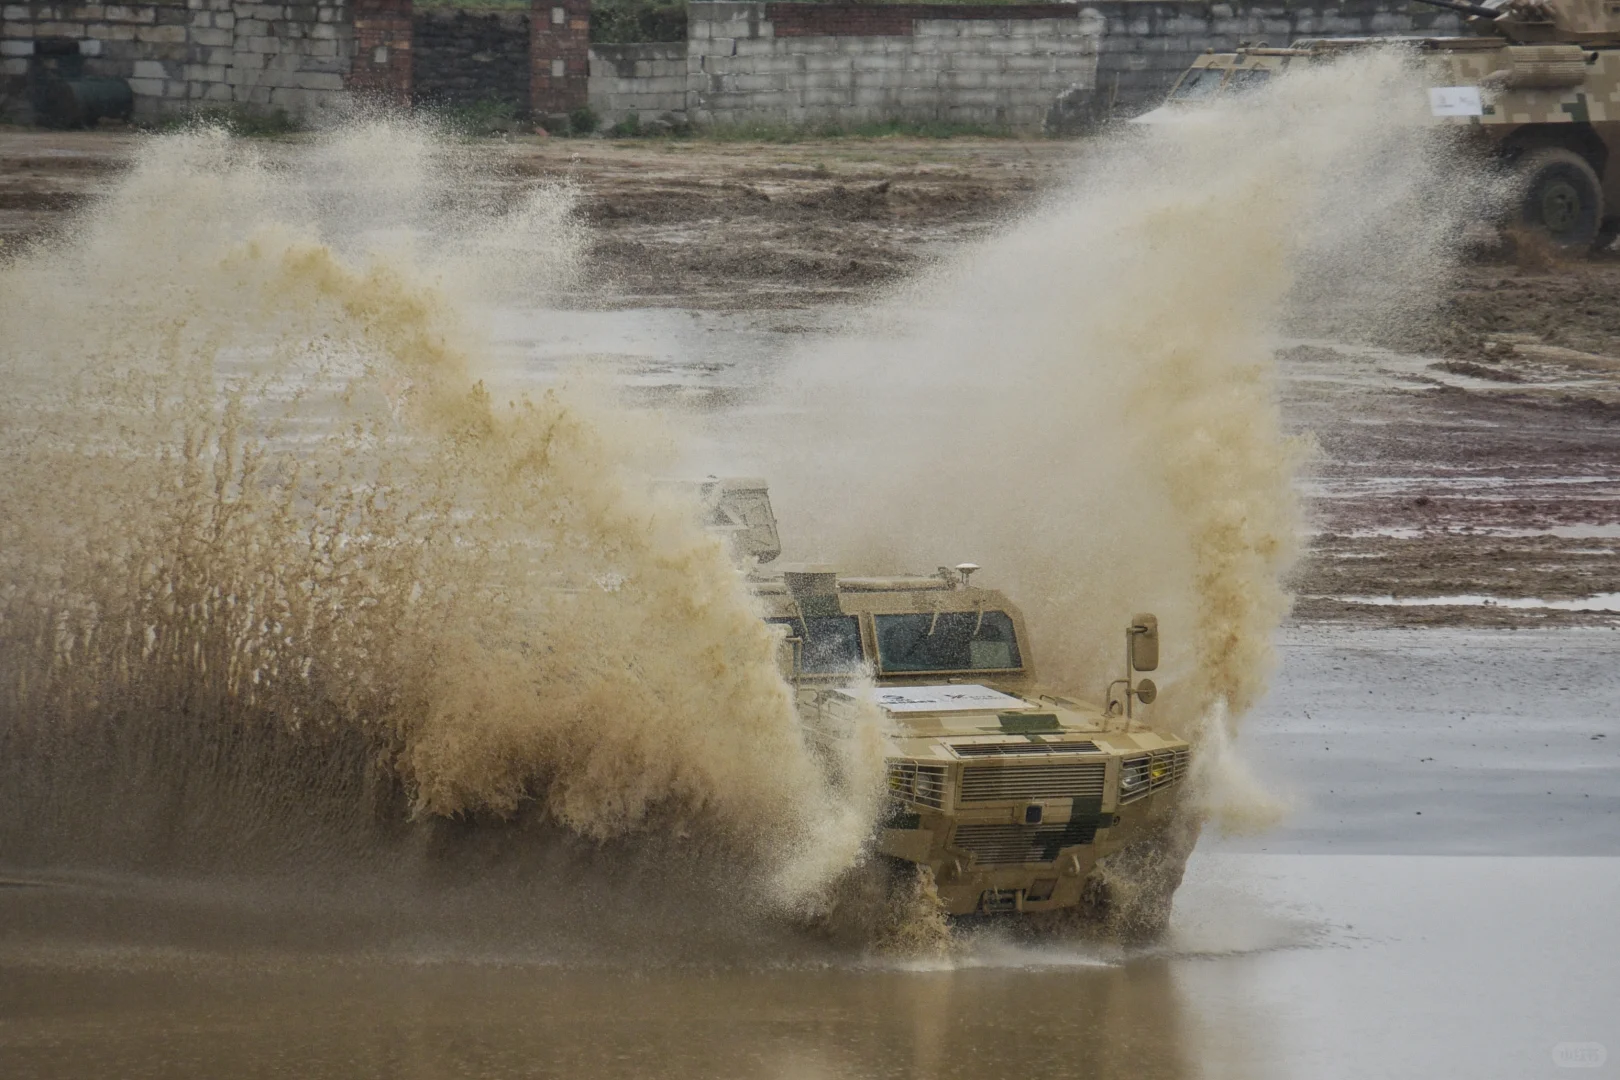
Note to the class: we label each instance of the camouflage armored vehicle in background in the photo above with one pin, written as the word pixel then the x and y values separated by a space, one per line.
pixel 1538 84
pixel 1011 792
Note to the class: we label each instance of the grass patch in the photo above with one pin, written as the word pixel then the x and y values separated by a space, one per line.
pixel 478 118
pixel 582 121
pixel 629 22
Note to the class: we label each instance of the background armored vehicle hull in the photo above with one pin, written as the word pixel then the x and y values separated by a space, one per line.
pixel 1538 89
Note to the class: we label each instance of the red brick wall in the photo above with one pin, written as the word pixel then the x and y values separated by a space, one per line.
pixel 894 20
pixel 559 54
pixel 382 58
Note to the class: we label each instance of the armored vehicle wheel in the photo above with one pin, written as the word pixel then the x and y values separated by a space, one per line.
pixel 1561 198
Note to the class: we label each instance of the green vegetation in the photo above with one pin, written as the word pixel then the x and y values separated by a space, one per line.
pixel 472 6
pixel 582 121
pixel 625 22
pixel 881 2
pixel 478 118
pixel 613 22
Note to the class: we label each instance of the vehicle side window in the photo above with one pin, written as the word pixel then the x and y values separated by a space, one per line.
pixel 1252 79
pixel 832 643
pixel 1199 84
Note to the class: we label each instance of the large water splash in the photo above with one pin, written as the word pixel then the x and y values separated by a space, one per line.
pixel 1087 403
pixel 270 549
pixel 262 522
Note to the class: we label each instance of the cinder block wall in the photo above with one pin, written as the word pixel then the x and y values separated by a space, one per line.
pixel 178 54
pixel 841 63
pixel 1002 65
pixel 646 80
pixel 845 64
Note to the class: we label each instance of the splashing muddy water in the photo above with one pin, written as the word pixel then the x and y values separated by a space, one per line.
pixel 1086 403
pixel 261 515
pixel 276 562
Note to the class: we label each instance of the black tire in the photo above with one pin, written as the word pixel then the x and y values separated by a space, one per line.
pixel 1561 198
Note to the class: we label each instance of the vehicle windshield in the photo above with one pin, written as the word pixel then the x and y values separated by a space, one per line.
pixel 948 641
pixel 832 643
pixel 1199 84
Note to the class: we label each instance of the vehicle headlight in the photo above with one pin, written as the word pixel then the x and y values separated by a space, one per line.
pixel 1134 774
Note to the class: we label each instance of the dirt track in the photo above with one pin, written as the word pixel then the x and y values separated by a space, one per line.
pixel 1477 456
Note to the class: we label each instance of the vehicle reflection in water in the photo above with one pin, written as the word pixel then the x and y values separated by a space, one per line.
pixel 1326 966
pixel 151 1012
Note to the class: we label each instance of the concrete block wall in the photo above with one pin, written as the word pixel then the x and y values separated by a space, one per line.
pixel 178 54
pixel 1001 65
pixel 645 80
pixel 743 62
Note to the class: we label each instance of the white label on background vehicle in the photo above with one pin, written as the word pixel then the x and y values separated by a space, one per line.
pixel 1455 101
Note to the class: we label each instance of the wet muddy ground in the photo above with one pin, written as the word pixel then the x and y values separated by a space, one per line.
pixel 1466 470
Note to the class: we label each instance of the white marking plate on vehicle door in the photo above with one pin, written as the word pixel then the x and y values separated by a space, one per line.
pixel 953 698
pixel 1455 101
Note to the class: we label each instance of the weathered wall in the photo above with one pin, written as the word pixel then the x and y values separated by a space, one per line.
pixel 1003 65
pixel 999 65
pixel 460 57
pixel 383 65
pixel 646 80
pixel 559 55
pixel 178 54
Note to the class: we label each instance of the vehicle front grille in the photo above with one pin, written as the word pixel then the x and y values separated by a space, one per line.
pixel 1057 780
pixel 1150 772
pixel 999 749
pixel 923 784
pixel 1002 844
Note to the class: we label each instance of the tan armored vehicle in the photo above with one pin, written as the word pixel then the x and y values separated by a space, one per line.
pixel 1009 791
pixel 1538 84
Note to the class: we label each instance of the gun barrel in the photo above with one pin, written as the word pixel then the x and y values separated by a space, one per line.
pixel 1479 11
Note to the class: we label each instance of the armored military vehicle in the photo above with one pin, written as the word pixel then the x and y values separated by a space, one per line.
pixel 1011 792
pixel 1535 84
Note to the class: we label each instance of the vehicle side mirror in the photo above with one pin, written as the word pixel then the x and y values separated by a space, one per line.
pixel 1145 643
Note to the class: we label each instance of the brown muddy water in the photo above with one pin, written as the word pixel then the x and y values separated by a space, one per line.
pixel 1280 966
pixel 1438 901
pixel 1406 920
